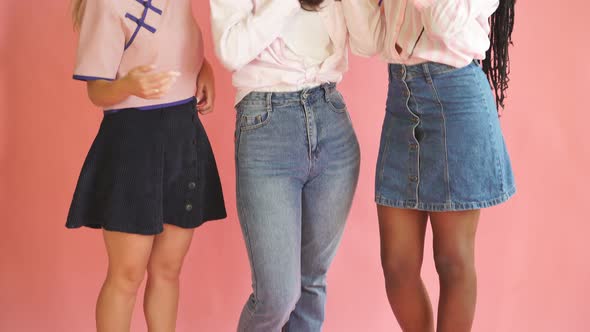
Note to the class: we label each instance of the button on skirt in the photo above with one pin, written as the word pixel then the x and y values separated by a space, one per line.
pixel 146 169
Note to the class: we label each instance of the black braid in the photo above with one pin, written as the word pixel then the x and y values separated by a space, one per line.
pixel 497 62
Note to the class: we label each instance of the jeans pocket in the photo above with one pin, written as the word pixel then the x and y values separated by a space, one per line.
pixel 335 100
pixel 251 118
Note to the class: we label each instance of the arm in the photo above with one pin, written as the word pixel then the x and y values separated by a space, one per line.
pixel 206 89
pixel 141 82
pixel 444 18
pixel 366 26
pixel 241 32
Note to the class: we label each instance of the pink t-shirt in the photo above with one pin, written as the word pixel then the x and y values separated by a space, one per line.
pixel 119 35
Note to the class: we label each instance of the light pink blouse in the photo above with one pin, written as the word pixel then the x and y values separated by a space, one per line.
pixel 453 32
pixel 119 35
pixel 248 39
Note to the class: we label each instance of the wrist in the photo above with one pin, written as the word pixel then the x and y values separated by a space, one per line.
pixel 123 87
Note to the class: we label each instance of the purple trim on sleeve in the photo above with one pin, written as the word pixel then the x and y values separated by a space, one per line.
pixel 90 78
pixel 380 2
pixel 153 107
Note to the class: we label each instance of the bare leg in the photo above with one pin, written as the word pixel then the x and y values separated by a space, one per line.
pixel 128 259
pixel 454 251
pixel 402 250
pixel 162 289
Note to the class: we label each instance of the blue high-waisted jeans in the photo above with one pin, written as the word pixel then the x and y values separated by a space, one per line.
pixel 297 165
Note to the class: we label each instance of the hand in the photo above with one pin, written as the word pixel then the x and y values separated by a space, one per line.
pixel 206 89
pixel 143 82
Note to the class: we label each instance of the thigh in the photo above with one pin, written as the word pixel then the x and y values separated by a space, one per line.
pixel 170 247
pixel 454 235
pixel 402 236
pixel 326 204
pixel 128 253
pixel 269 210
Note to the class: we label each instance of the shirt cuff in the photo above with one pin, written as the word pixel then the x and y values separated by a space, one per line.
pixel 91 78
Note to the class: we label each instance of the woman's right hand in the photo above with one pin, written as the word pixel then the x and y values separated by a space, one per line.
pixel 145 83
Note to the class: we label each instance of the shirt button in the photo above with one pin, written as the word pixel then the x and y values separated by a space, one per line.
pixel 413 147
pixel 188 207
pixel 192 185
pixel 415 120
pixel 413 178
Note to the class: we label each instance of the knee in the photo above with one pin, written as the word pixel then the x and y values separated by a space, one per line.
pixel 165 270
pixel 126 279
pixel 454 267
pixel 400 270
pixel 278 303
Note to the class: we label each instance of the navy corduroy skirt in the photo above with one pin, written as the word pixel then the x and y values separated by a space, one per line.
pixel 146 169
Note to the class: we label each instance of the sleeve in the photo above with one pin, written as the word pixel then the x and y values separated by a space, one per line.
pixel 443 19
pixel 101 43
pixel 241 32
pixel 366 26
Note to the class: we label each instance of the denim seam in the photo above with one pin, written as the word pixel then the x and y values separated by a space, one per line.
pixel 248 242
pixel 444 128
pixel 307 134
pixel 499 155
pixel 384 155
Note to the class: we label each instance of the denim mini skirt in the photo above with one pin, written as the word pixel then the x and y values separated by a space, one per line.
pixel 441 146
pixel 147 168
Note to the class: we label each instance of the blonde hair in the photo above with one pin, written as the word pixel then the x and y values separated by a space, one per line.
pixel 77 12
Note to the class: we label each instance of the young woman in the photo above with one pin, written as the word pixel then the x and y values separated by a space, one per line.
pixel 150 177
pixel 442 153
pixel 297 156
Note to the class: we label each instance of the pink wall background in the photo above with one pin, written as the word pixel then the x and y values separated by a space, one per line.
pixel 532 255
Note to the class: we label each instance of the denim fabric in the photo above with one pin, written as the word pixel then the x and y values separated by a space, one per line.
pixel 297 164
pixel 442 148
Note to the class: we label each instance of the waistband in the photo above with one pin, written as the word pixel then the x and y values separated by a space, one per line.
pixel 192 101
pixel 264 98
pixel 406 72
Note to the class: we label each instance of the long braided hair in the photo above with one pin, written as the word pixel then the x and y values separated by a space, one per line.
pixel 497 62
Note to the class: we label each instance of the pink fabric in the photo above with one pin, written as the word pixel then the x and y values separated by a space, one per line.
pixel 176 45
pixel 248 42
pixel 455 31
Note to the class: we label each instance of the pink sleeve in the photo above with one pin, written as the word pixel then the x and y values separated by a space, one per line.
pixel 366 26
pixel 101 44
pixel 242 31
pixel 444 18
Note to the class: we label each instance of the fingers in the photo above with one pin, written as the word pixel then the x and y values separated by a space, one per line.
pixel 159 91
pixel 143 69
pixel 155 86
pixel 205 98
pixel 205 105
pixel 205 109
